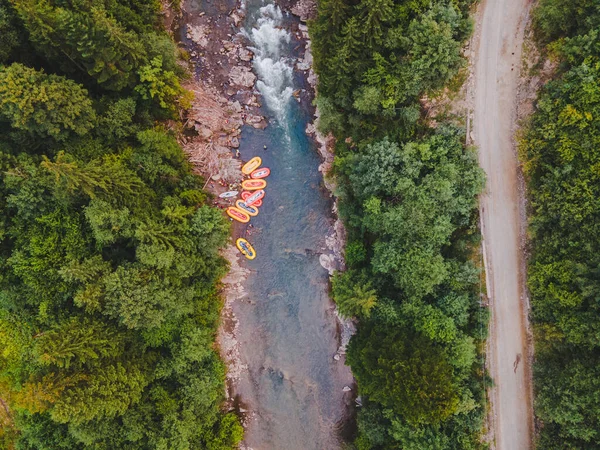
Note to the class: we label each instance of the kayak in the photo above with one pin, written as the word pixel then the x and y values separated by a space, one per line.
pixel 248 209
pixel 228 194
pixel 254 185
pixel 245 248
pixel 246 195
pixel 254 198
pixel 263 172
pixel 238 214
pixel 252 165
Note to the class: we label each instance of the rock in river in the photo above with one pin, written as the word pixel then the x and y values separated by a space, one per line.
pixel 242 76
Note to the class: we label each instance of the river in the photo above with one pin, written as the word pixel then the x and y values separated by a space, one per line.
pixel 288 332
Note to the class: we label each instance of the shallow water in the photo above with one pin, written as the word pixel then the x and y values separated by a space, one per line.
pixel 287 328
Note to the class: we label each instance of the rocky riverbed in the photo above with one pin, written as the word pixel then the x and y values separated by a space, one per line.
pixel 227 104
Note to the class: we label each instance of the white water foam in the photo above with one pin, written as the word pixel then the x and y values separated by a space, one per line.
pixel 275 74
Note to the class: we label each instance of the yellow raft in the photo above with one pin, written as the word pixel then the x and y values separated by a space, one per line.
pixel 238 214
pixel 254 185
pixel 252 165
pixel 245 248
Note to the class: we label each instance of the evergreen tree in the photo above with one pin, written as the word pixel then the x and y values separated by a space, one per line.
pixel 44 105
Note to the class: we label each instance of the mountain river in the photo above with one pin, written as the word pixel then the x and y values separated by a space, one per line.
pixel 288 331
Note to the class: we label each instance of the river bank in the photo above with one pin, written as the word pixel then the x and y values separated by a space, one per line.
pixel 280 335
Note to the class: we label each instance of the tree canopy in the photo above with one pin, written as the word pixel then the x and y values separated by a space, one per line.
pixel 109 250
pixel 407 193
pixel 561 153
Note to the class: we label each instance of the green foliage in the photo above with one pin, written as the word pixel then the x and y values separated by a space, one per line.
pixel 407 374
pixel 109 254
pixel 9 32
pixel 44 105
pixel 86 38
pixel 159 85
pixel 353 294
pixel 414 200
pixel 376 58
pixel 554 19
pixel 561 150
pixel 407 195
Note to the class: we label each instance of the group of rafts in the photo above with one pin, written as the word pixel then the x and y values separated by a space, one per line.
pixel 251 200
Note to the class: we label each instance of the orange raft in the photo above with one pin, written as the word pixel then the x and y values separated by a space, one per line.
pixel 263 172
pixel 251 165
pixel 248 209
pixel 247 194
pixel 254 185
pixel 238 214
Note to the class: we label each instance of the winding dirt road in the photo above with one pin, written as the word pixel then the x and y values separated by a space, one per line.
pixel 497 65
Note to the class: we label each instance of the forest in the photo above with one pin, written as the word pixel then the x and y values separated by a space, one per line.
pixel 407 192
pixel 561 152
pixel 109 263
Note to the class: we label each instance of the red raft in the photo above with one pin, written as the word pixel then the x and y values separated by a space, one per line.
pixel 263 172
pixel 247 194
pixel 253 198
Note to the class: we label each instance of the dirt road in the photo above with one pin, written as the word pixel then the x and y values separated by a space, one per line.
pixel 497 65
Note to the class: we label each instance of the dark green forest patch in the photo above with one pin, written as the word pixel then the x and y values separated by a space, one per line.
pixel 408 196
pixel 561 154
pixel 109 263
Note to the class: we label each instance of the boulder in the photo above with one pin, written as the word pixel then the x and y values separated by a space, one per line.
pixel 302 64
pixel 242 76
pixel 329 263
pixel 235 16
pixel 235 106
pixel 245 54
pixel 312 78
pixel 204 132
pixel 228 45
pixel 198 34
pixel 305 9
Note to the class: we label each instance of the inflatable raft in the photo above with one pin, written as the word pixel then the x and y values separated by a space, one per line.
pixel 238 214
pixel 247 194
pixel 254 185
pixel 228 194
pixel 248 209
pixel 245 248
pixel 252 165
pixel 263 172
pixel 253 198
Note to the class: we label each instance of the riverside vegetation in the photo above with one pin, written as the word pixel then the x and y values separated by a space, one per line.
pixel 408 196
pixel 561 153
pixel 109 259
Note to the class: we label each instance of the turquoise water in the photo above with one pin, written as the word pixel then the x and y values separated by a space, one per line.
pixel 288 332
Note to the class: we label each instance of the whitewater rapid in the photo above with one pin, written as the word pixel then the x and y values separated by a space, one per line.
pixel 275 73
